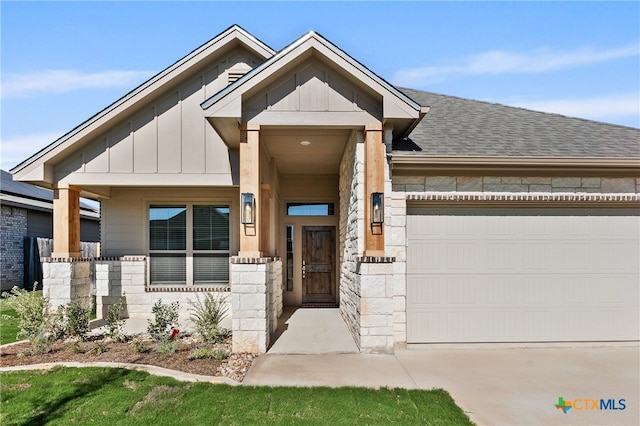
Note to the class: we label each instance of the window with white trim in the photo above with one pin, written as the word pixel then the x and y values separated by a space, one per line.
pixel 188 244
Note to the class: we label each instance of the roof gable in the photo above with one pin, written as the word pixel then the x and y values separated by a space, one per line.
pixel 225 109
pixel 39 167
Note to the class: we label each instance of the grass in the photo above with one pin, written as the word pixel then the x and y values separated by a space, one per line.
pixel 109 396
pixel 8 323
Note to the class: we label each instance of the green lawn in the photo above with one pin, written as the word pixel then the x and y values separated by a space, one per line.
pixel 109 396
pixel 8 325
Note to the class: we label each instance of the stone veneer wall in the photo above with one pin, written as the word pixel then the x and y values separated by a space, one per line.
pixel 256 300
pixel 67 279
pixel 13 229
pixel 515 184
pixel 376 304
pixel 351 231
pixel 126 276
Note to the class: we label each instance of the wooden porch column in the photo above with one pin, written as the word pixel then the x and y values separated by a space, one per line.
pixel 66 221
pixel 250 182
pixel 374 163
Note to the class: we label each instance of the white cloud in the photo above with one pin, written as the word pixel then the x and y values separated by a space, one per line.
pixel 17 149
pixel 502 62
pixel 61 81
pixel 603 108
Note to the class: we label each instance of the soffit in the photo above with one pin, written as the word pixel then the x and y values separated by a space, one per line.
pixel 321 156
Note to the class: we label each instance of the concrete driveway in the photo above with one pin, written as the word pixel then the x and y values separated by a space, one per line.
pixel 494 385
pixel 520 386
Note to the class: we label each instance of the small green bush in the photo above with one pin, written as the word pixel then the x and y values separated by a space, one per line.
pixel 169 346
pixel 165 319
pixel 140 345
pixel 36 322
pixel 115 321
pixel 206 316
pixel 77 319
pixel 98 348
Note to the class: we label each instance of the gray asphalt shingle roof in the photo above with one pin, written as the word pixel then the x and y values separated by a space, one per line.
pixel 464 127
pixel 32 192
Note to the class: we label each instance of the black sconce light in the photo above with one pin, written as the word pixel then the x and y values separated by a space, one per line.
pixel 377 208
pixel 248 213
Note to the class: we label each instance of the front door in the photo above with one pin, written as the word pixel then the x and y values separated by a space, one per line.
pixel 318 265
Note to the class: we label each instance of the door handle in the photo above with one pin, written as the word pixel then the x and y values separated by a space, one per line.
pixel 304 269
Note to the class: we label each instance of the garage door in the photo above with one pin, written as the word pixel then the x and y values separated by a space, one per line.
pixel 522 275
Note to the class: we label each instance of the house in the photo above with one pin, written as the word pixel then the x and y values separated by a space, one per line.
pixel 301 178
pixel 27 211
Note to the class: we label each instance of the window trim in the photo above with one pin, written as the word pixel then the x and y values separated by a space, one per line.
pixel 189 252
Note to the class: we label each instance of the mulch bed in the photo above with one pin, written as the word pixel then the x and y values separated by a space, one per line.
pixel 98 349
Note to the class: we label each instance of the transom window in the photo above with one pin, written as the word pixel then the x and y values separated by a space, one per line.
pixel 310 209
pixel 189 244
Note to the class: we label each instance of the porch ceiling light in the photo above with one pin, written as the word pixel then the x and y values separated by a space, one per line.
pixel 305 143
pixel 248 212
pixel 377 208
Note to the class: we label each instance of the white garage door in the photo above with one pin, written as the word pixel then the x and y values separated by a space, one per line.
pixel 518 276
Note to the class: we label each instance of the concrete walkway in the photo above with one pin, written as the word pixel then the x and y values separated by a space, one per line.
pixel 494 385
pixel 312 331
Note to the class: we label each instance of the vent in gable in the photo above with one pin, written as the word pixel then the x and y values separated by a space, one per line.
pixel 237 71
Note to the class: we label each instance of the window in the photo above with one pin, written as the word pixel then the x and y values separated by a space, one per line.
pixel 289 259
pixel 310 209
pixel 189 244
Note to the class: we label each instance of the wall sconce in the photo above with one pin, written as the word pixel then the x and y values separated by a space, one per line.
pixel 248 213
pixel 377 208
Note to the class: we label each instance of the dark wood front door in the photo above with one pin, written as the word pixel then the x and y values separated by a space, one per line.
pixel 318 265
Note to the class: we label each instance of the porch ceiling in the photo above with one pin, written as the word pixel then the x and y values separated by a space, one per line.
pixel 321 156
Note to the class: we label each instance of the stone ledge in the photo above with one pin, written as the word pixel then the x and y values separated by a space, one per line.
pixel 252 260
pixel 185 289
pixel 520 196
pixel 65 259
pixel 375 259
pixel 121 259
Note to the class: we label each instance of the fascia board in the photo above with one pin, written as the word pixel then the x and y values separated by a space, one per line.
pixel 146 89
pixel 416 161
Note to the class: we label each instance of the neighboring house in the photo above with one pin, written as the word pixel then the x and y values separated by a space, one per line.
pixel 301 178
pixel 26 211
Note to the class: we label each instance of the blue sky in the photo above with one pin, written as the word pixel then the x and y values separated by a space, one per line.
pixel 62 62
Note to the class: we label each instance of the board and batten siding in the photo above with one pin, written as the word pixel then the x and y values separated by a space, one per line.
pixel 166 136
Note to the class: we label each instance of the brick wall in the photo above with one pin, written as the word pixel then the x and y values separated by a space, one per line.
pixel 13 229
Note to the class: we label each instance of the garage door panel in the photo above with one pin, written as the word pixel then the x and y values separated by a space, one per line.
pixel 524 278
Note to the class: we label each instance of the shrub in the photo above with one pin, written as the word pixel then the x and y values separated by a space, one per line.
pixel 140 345
pixel 168 346
pixel 77 319
pixel 206 317
pixel 165 319
pixel 98 348
pixel 219 354
pixel 115 322
pixel 35 320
